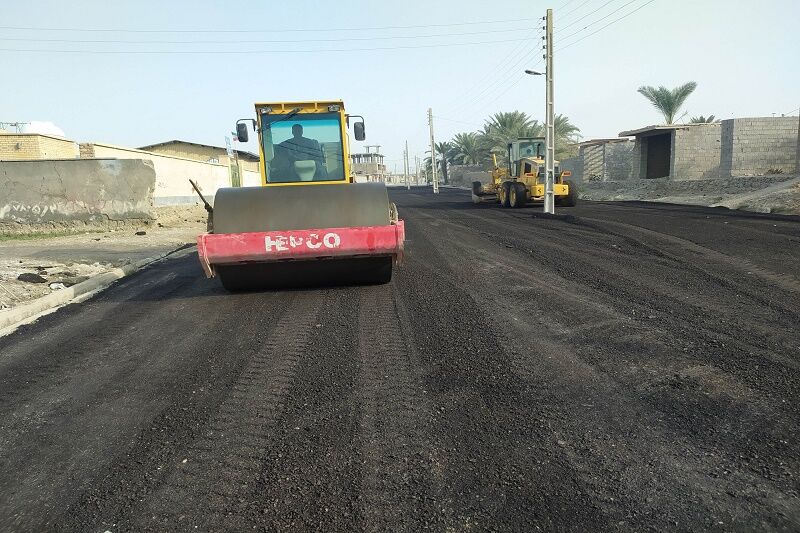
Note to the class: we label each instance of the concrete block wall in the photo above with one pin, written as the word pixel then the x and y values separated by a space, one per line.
pixel 574 165
pixel 696 152
pixel 608 161
pixel 620 160
pixel 31 146
pixel 89 191
pixel 172 173
pixel 593 162
pixel 755 146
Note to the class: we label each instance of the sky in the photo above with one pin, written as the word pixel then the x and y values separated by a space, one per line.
pixel 201 64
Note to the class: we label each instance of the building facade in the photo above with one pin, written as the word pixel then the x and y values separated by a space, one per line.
pixel 33 146
pixel 204 152
pixel 368 166
pixel 733 147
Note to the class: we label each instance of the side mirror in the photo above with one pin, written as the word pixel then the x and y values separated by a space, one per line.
pixel 358 130
pixel 241 132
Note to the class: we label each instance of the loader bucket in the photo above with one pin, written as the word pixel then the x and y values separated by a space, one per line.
pixel 302 236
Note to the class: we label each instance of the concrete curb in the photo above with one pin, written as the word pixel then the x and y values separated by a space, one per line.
pixel 13 317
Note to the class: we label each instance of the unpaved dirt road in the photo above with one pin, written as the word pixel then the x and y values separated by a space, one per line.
pixel 619 367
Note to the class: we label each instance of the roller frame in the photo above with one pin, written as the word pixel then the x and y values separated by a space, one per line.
pixel 308 244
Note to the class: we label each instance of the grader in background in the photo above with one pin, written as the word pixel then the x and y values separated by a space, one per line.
pixel 523 181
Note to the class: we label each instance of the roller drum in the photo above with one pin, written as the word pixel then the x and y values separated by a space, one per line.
pixel 249 209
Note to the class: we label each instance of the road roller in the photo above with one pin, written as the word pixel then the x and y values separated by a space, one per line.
pixel 309 223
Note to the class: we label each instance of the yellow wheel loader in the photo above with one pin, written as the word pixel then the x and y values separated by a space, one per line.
pixel 309 223
pixel 523 181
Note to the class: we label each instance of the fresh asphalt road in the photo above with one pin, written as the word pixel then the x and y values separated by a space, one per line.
pixel 616 367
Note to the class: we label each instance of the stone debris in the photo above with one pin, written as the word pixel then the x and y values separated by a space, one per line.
pixel 30 277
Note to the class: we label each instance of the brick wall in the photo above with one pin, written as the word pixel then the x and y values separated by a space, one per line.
pixel 172 173
pixel 593 162
pixel 574 165
pixel 620 160
pixel 608 161
pixel 32 146
pixel 696 152
pixel 754 146
pixel 202 153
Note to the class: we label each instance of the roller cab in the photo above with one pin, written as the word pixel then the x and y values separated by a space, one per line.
pixel 308 224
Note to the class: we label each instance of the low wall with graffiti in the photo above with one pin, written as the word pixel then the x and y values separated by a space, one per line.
pixel 74 191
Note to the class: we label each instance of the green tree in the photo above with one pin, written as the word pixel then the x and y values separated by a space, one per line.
pixel 467 149
pixel 668 101
pixel 565 132
pixel 702 120
pixel 446 156
pixel 505 127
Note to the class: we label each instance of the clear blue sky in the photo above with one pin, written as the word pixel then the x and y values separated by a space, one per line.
pixel 743 55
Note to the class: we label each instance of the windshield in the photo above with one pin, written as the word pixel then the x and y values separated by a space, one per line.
pixel 302 148
pixel 531 149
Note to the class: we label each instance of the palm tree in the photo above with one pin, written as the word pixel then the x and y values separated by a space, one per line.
pixel 565 132
pixel 564 129
pixel 668 101
pixel 504 128
pixel 702 120
pixel 445 149
pixel 467 149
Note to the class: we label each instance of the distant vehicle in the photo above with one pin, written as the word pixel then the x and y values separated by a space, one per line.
pixel 524 179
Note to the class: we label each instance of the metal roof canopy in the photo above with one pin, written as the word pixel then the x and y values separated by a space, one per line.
pixel 655 129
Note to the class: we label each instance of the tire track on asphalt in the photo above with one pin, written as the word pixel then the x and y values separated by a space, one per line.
pixel 398 458
pixel 773 344
pixel 502 468
pixel 209 489
pixel 575 378
pixel 74 330
pixel 310 474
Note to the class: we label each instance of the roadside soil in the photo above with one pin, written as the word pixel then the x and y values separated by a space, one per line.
pixel 48 263
pixel 777 194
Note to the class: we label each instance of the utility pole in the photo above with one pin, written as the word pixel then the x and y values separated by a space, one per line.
pixel 550 151
pixel 416 167
pixel 433 153
pixel 405 166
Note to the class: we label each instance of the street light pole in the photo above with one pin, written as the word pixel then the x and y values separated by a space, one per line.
pixel 550 152
pixel 433 153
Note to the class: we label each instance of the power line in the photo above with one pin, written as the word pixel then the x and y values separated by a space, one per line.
pixel 497 74
pixel 491 87
pixel 607 25
pixel 586 15
pixel 599 20
pixel 565 15
pixel 223 52
pixel 124 30
pixel 792 111
pixel 338 39
pixel 482 101
pixel 458 121
pixel 562 6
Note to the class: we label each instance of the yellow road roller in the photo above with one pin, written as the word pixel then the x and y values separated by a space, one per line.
pixel 309 223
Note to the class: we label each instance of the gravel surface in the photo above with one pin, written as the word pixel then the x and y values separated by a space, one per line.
pixel 763 194
pixel 615 367
pixel 67 259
